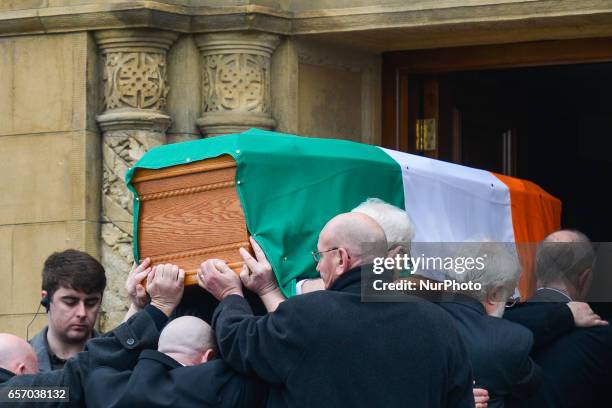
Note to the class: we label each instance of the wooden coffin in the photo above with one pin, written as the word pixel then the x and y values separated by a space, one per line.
pixel 190 213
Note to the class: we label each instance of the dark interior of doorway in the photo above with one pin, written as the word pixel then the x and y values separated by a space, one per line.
pixel 561 121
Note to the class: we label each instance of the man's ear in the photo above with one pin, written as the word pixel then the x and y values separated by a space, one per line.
pixel 21 369
pixel 396 250
pixel 495 302
pixel 498 294
pixel 208 355
pixel 583 278
pixel 345 262
pixel 43 294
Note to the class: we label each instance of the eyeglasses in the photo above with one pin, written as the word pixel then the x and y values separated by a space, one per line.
pixel 512 301
pixel 316 255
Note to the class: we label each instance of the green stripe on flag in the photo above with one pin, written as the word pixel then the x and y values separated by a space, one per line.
pixel 290 186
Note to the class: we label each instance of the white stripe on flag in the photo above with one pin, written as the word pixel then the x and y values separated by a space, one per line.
pixel 453 203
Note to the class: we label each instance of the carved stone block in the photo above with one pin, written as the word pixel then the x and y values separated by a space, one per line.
pixel 235 81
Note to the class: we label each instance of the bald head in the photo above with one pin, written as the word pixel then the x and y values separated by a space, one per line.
pixel 347 241
pixel 565 258
pixel 360 234
pixel 16 355
pixel 566 236
pixel 187 339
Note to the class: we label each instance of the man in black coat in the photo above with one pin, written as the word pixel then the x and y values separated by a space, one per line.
pixel 181 373
pixel 547 320
pixel 576 370
pixel 328 349
pixel 119 348
pixel 498 349
pixel 563 268
pixel 576 361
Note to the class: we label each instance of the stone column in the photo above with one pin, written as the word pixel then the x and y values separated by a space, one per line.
pixel 236 81
pixel 133 121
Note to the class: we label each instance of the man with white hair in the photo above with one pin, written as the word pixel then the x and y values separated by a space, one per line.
pixel 498 349
pixel 17 357
pixel 395 222
pixel 328 348
pixel 397 225
pixel 182 373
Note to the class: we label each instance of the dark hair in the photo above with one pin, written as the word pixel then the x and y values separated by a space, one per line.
pixel 73 269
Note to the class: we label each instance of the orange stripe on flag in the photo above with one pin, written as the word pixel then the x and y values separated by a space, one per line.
pixel 535 214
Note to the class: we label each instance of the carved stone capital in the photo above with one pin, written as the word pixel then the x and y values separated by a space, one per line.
pixel 235 81
pixel 135 79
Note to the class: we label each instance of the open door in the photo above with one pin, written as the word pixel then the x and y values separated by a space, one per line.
pixel 464 118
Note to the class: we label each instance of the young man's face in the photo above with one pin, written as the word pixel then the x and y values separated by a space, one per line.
pixel 72 314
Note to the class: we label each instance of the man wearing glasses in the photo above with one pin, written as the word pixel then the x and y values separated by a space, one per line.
pixel 394 221
pixel 328 348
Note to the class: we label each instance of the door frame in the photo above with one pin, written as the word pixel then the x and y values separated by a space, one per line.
pixel 398 96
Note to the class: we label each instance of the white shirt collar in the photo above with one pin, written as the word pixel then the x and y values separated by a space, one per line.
pixel 559 291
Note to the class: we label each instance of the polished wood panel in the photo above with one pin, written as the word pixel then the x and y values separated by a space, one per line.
pixel 190 213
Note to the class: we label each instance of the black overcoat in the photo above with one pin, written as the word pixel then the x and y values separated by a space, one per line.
pixel 546 314
pixel 119 348
pixel 160 381
pixel 498 350
pixel 329 349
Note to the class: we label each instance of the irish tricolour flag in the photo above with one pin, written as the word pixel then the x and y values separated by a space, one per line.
pixel 290 186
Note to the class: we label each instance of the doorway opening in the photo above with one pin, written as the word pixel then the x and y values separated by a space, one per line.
pixel 551 125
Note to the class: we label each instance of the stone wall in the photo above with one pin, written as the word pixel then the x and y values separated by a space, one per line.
pixel 326 90
pixel 339 92
pixel 49 162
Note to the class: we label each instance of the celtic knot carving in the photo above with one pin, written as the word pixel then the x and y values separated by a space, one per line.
pixel 236 82
pixel 135 80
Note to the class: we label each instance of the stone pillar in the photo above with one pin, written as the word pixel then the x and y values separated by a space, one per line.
pixel 236 81
pixel 133 121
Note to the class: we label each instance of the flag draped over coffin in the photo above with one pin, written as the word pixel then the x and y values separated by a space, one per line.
pixel 290 186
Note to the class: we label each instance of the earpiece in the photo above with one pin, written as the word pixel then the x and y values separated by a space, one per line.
pixel 45 302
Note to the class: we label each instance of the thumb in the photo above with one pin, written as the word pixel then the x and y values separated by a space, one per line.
pixel 140 290
pixel 141 276
pixel 244 274
pixel 222 267
pixel 150 277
